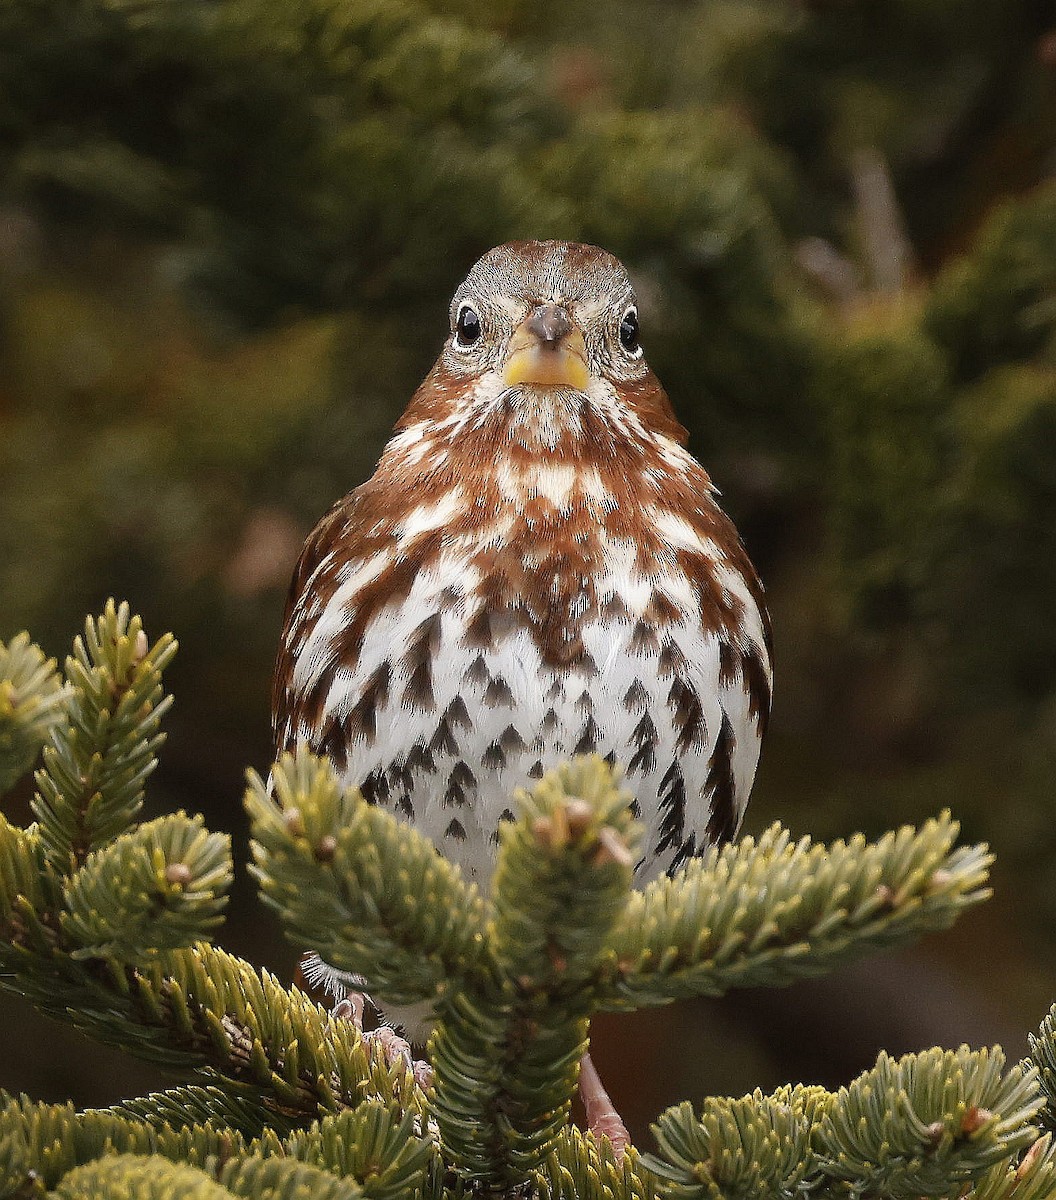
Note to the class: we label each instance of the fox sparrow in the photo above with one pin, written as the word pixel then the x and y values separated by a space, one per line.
pixel 538 568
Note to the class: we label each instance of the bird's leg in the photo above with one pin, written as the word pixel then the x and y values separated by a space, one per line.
pixel 395 1048
pixel 349 1004
pixel 602 1118
pixel 351 1008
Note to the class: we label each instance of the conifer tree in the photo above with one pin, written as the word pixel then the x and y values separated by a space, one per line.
pixel 107 923
pixel 228 230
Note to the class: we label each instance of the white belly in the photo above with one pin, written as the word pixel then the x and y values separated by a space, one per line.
pixel 455 725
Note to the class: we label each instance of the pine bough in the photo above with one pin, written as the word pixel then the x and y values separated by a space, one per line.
pixel 106 924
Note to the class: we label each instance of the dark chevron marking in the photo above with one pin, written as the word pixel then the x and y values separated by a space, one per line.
pixel 421 653
pixel 722 823
pixel 588 739
pixel 420 758
pixel 636 698
pixel 478 672
pixel 362 720
pixel 460 781
pixel 645 738
pixel 688 716
pixel 498 694
pixel 672 660
pixel 672 799
pixel 644 638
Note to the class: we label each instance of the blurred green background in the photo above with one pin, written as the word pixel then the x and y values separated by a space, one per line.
pixel 228 234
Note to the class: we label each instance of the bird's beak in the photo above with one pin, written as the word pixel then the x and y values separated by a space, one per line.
pixel 547 349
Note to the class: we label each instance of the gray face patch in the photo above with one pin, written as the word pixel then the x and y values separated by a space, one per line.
pixel 511 280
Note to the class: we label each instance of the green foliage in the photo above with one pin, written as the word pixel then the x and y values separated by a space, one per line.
pixel 506 1052
pixel 1033 1178
pixel 21 884
pixel 285 1180
pixel 113 944
pixel 323 173
pixel 30 704
pixel 139 1178
pixel 160 886
pixel 1043 1054
pixel 91 784
pixel 292 1102
pixel 562 876
pixel 995 304
pixel 193 1104
pixel 289 149
pixel 883 389
pixel 744 915
pixel 324 860
pixel 922 1125
pixel 54 1139
pixel 926 1121
pixel 580 1167
pixel 559 936
pixel 370 1144
pixel 753 1147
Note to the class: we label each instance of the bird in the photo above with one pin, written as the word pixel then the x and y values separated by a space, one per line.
pixel 537 569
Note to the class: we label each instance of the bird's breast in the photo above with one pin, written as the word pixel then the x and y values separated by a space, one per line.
pixel 539 638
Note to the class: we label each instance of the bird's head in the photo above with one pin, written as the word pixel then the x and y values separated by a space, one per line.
pixel 542 332
pixel 546 315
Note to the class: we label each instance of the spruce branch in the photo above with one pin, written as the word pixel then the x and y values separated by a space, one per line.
pixel 24 879
pixel 139 1177
pixel 285 1179
pixel 91 913
pixel 201 1009
pixel 925 1123
pixel 1033 1177
pixel 301 1061
pixel 372 1144
pixel 767 912
pixel 193 1008
pixel 564 934
pixel 1043 1056
pixel 50 1140
pixel 91 784
pixel 373 1147
pixel 922 1125
pixel 579 1167
pixel 31 700
pixel 353 883
pixel 97 915
pixel 156 1177
pixel 161 886
pixel 757 1146
pixel 506 1053
pixel 564 871
pixel 196 1104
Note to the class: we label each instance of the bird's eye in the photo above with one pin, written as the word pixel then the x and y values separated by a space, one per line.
pixel 467 327
pixel 629 331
